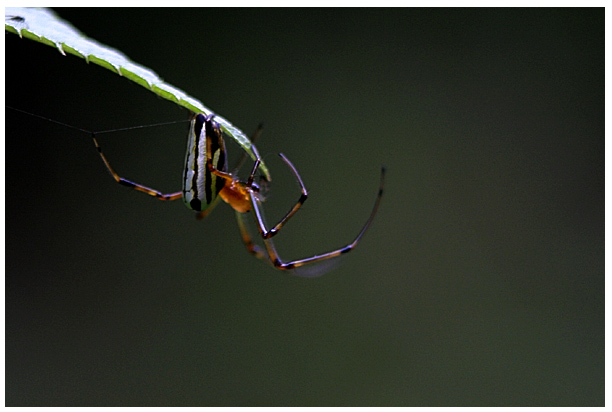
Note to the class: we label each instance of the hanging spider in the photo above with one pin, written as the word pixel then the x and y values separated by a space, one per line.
pixel 206 179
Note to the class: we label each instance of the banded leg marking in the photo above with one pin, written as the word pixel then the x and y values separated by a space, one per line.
pixel 136 186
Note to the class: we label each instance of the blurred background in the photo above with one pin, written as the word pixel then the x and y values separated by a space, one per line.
pixel 481 281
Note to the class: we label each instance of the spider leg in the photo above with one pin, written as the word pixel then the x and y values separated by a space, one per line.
pixel 265 233
pixel 201 215
pixel 136 186
pixel 252 248
pixel 278 262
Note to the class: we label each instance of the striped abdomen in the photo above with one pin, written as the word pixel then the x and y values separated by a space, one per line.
pixel 200 186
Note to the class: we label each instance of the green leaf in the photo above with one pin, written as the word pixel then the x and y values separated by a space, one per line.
pixel 44 26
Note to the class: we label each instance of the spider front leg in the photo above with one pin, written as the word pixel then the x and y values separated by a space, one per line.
pixel 272 254
pixel 265 233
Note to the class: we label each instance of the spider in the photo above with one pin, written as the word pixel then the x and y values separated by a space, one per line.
pixel 206 179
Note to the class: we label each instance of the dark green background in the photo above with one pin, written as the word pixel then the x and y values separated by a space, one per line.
pixel 481 281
